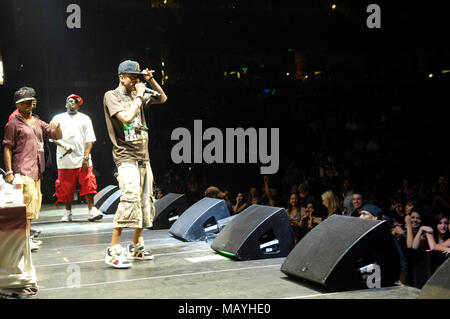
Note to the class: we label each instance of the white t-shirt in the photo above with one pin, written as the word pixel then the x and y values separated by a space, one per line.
pixel 76 130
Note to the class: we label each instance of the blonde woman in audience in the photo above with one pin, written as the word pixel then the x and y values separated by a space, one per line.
pixel 331 202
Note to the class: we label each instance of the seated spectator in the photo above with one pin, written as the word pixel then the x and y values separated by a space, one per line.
pixel 304 195
pixel 371 212
pixel 308 219
pixel 414 239
pixel 374 212
pixel 270 195
pixel 440 232
pixel 254 198
pixel 331 202
pixel 398 219
pixel 241 204
pixel 356 205
pixel 346 197
pixel 405 189
pixel 215 192
pixel 410 205
pixel 294 214
pixel 441 196
pixel 158 193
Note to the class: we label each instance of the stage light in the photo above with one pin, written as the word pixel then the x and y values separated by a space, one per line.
pixel 333 6
pixel 445 71
pixel 316 72
pixel 430 75
pixel 306 76
pixel 287 74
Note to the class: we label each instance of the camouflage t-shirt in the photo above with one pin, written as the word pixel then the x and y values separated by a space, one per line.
pixel 130 142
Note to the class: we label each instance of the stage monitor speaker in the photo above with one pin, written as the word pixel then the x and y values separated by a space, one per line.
pixel 334 253
pixel 255 233
pixel 101 196
pixel 200 220
pixel 168 209
pixel 438 286
pixel 109 206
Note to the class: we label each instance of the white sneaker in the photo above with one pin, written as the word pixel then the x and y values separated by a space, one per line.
pixel 94 214
pixel 36 241
pixel 116 258
pixel 33 246
pixel 67 216
pixel 138 252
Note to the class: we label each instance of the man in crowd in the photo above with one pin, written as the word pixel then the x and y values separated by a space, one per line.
pixel 73 157
pixel 125 120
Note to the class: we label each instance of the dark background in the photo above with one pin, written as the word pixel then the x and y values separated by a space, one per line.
pixel 376 78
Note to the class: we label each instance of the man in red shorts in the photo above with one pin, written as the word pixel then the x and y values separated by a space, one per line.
pixel 74 159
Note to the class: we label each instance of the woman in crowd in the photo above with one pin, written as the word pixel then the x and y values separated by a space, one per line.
pixel 240 205
pixel 331 202
pixel 254 197
pixel 436 235
pixel 294 214
pixel 308 220
pixel 410 205
pixel 413 223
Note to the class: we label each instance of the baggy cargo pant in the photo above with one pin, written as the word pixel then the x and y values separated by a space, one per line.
pixel 136 208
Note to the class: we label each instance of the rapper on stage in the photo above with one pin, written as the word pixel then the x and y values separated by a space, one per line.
pixel 127 128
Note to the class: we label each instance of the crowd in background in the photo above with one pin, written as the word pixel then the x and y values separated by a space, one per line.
pixel 418 214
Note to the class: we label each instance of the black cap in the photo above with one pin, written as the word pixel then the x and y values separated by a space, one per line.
pixel 24 94
pixel 373 209
pixel 129 67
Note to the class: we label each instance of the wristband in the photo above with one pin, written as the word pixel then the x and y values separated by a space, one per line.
pixel 9 172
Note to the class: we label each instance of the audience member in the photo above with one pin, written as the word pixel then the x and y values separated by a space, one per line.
pixel 441 196
pixel 410 205
pixel 405 189
pixel 308 219
pixel 331 202
pixel 304 195
pixel 357 202
pixel 215 192
pixel 294 214
pixel 346 195
pixel 254 198
pixel 440 232
pixel 413 223
pixel 240 205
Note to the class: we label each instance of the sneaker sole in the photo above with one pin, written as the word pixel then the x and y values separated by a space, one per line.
pixel 137 258
pixel 98 217
pixel 118 267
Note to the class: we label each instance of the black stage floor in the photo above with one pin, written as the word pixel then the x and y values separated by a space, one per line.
pixel 70 265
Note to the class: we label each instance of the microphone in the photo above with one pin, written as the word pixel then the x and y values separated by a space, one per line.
pixel 67 152
pixel 152 92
